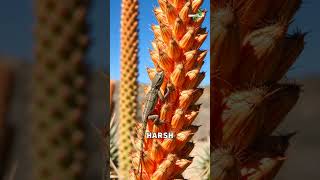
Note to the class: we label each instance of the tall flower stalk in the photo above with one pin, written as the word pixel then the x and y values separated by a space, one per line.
pixel 128 82
pixel 176 51
pixel 59 89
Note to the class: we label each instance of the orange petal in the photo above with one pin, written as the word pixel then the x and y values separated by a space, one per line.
pixel 166 168
pixel 165 33
pixel 174 51
pixel 190 59
pixel 157 153
pixel 171 13
pixel 177 120
pixel 179 29
pixel 178 76
pixel 151 72
pixel 166 112
pixel 191 79
pixel 196 5
pixel 165 62
pixel 169 144
pixel 187 40
pixel 185 11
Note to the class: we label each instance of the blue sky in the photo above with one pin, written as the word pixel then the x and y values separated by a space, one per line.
pixel 17 21
pixel 146 18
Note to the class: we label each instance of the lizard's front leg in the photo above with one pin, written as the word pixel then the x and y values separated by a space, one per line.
pixel 155 118
pixel 164 97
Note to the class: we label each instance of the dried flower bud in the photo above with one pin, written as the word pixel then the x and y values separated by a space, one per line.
pixel 185 11
pixel 178 75
pixel 157 152
pixel 165 33
pixel 171 13
pixel 177 120
pixel 190 59
pixel 196 5
pixel 187 40
pixel 174 50
pixel 179 28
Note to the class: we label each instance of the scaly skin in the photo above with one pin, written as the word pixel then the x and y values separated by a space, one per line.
pixel 151 100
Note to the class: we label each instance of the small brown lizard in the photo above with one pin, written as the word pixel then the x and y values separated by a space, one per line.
pixel 151 100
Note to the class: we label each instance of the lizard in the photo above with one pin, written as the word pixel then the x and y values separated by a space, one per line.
pixel 151 100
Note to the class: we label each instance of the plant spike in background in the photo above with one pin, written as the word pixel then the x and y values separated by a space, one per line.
pixel 59 89
pixel 251 51
pixel 6 82
pixel 128 82
pixel 178 38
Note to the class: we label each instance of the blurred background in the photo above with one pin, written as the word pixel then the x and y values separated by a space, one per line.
pixel 18 51
pixel 17 61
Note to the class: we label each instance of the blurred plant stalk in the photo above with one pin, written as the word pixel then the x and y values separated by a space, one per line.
pixel 59 89
pixel 251 51
pixel 128 82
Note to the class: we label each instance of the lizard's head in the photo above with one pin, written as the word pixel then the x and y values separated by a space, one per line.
pixel 158 79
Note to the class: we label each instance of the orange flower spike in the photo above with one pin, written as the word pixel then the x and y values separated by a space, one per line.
pixel 174 51
pixel 151 72
pixel 157 152
pixel 187 40
pixel 179 29
pixel 177 120
pixel 178 75
pixel 196 5
pixel 165 33
pixel 171 13
pixel 185 11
